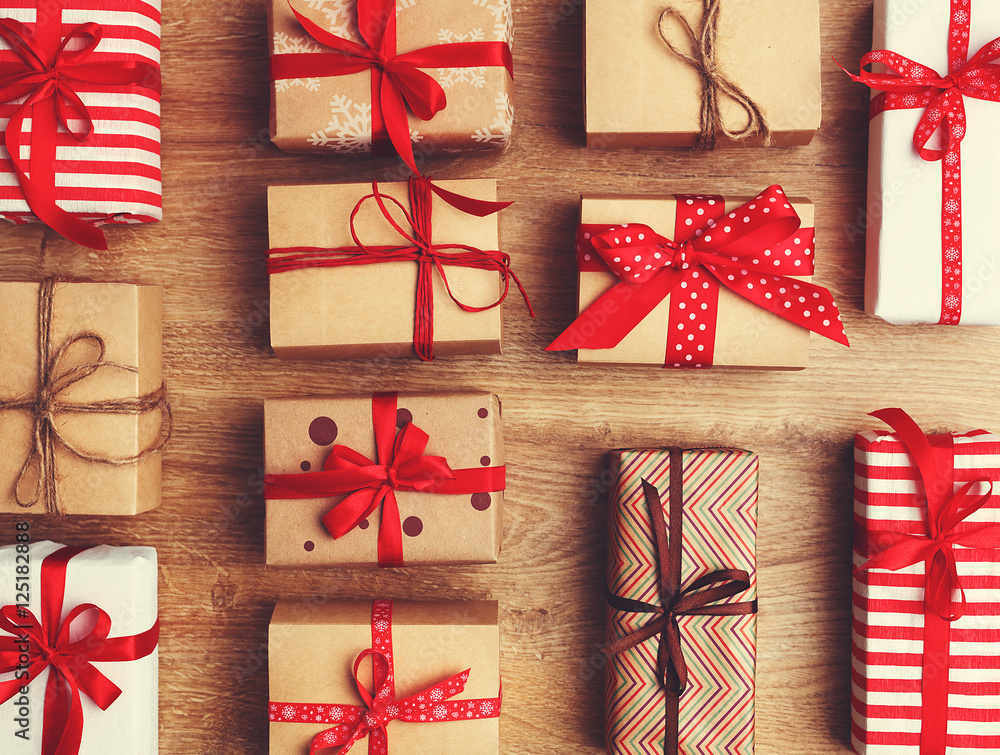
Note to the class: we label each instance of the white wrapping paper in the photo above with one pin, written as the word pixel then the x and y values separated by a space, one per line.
pixel 123 582
pixel 904 270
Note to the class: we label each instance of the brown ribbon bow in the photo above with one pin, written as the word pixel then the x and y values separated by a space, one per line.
pixel 714 85
pixel 55 377
pixel 694 600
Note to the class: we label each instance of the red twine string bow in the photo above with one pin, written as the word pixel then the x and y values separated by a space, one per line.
pixel 913 85
pixel 397 82
pixel 419 248
pixel 400 465
pixel 751 251
pixel 947 527
pixel 46 643
pixel 49 84
pixel 355 722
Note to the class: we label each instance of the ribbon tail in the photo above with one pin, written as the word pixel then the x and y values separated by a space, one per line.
pixel 390 534
pixel 396 122
pixel 481 208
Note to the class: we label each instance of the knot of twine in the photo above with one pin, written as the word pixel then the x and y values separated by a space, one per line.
pixel 55 377
pixel 714 85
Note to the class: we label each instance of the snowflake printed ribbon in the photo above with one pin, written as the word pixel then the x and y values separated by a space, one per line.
pixel 912 85
pixel 355 722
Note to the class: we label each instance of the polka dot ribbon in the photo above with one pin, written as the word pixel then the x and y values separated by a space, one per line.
pixel 355 722
pixel 751 251
pixel 912 85
pixel 400 465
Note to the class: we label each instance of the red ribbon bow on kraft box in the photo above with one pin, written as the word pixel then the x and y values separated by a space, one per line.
pixel 752 252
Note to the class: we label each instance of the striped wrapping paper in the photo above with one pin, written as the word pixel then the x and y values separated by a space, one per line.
pixel 887 637
pixel 720 522
pixel 114 175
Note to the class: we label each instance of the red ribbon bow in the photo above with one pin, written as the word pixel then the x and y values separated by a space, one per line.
pixel 355 722
pixel 397 82
pixel 49 84
pixel 401 465
pixel 750 251
pixel 946 528
pixel 71 663
pixel 913 85
pixel 420 249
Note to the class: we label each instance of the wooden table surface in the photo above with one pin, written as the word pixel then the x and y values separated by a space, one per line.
pixel 561 418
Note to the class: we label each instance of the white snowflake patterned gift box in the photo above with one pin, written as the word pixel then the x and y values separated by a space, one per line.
pixel 933 249
pixel 440 104
pixel 384 677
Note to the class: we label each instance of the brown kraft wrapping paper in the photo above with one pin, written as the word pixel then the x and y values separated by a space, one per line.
pixel 367 311
pixel 334 113
pixel 312 647
pixel 129 319
pixel 438 528
pixel 747 336
pixel 770 50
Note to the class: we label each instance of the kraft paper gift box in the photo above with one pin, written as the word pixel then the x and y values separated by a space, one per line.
pixel 706 503
pixel 129 321
pixel 330 113
pixel 922 683
pixel 770 50
pixel 111 176
pixel 121 581
pixel 312 647
pixel 369 310
pixel 745 333
pixel 922 265
pixel 439 524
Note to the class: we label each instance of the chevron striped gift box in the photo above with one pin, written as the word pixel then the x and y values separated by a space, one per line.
pixel 112 176
pixel 716 709
pixel 888 657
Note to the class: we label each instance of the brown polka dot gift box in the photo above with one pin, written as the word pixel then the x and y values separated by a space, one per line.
pixel 381 270
pixel 83 409
pixel 695 281
pixel 702 72
pixel 384 480
pixel 383 677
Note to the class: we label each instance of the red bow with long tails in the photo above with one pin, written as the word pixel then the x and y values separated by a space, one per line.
pixel 49 85
pixel 398 84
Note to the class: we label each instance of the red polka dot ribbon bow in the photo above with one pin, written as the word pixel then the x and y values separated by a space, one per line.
pixel 50 78
pixel 37 644
pixel 911 85
pixel 945 529
pixel 400 465
pixel 751 251
pixel 355 722
pixel 397 83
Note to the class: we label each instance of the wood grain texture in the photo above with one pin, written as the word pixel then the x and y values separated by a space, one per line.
pixel 561 418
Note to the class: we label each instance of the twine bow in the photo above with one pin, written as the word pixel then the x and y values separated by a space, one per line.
pixel 56 374
pixel 49 85
pixel 714 84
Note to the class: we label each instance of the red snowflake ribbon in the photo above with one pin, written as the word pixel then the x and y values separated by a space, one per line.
pixel 751 251
pixel 355 722
pixel 946 528
pixel 50 79
pixel 400 464
pixel 70 663
pixel 398 84
pixel 912 85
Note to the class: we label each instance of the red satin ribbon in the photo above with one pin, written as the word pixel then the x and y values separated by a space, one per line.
pixel 49 78
pixel 355 722
pixel 750 251
pixel 70 663
pixel 397 82
pixel 420 248
pixel 946 527
pixel 400 465
pixel 912 85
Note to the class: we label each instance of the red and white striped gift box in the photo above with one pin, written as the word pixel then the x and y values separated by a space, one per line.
pixel 113 176
pixel 888 660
